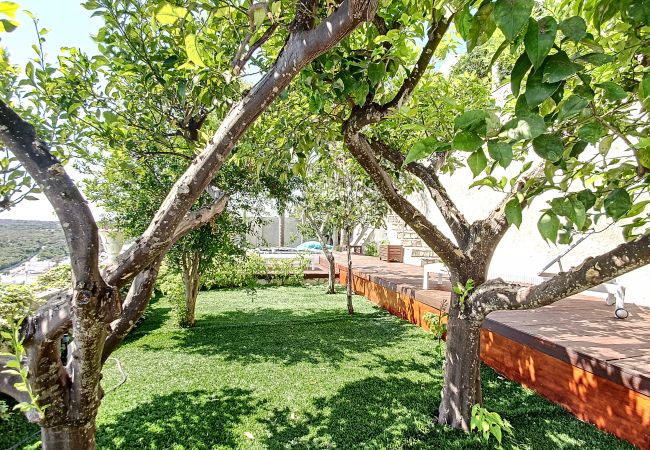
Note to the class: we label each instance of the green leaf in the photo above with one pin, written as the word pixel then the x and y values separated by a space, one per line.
pixel 9 9
pixel 644 86
pixel 501 152
pixel 559 67
pixel 193 51
pixel 549 147
pixel 617 203
pixel 577 213
pixel 168 14
pixel 596 59
pixel 538 90
pixel 591 132
pixel 360 93
pixel 482 26
pixel 470 120
pixel 424 148
pixel 7 25
pixel 259 14
pixel 548 226
pixel 376 72
pixel 572 106
pixel 539 39
pixel 525 127
pixel 578 148
pixel 514 212
pixel 639 11
pixel 518 72
pixel 511 16
pixel 463 22
pixel 466 141
pixel 612 91
pixel 587 198
pixel 477 162
pixel 644 156
pixel 574 28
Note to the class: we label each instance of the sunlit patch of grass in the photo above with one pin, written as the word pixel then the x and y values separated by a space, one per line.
pixel 288 368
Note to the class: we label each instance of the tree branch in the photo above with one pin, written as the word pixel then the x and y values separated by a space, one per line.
pixel 373 112
pixel 240 61
pixel 300 49
pixel 362 151
pixel 79 226
pixel 450 212
pixel 498 295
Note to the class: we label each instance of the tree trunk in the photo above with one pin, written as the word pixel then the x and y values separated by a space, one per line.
pixel 349 280
pixel 80 437
pixel 462 377
pixel 331 276
pixel 191 280
pixel 281 227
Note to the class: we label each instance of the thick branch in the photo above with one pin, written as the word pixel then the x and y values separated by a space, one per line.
pixel 361 149
pixel 300 49
pixel 71 208
pixel 200 217
pixel 450 212
pixel 133 308
pixel 497 295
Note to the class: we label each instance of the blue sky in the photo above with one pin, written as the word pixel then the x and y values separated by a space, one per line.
pixel 70 25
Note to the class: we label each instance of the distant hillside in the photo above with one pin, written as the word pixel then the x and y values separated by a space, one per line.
pixel 22 239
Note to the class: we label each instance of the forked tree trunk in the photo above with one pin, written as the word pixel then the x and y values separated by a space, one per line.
pixel 349 280
pixel 69 437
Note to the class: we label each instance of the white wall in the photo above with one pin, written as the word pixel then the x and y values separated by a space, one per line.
pixel 523 251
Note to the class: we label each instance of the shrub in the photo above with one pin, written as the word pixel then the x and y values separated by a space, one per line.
pixel 58 277
pixel 171 285
pixel 16 301
pixel 246 272
pixel 371 249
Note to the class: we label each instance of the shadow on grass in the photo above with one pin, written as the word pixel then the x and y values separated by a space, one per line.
pixel 398 412
pixel 196 420
pixel 287 337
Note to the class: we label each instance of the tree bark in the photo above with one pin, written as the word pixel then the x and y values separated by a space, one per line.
pixel 81 437
pixel 191 280
pixel 349 280
pixel 331 276
pixel 462 377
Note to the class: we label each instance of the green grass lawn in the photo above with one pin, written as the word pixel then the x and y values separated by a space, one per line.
pixel 288 368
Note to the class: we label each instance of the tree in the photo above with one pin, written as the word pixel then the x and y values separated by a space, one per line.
pixel 381 80
pixel 94 311
pixel 567 104
pixel 337 195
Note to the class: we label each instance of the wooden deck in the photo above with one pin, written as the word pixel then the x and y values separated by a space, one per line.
pixel 574 352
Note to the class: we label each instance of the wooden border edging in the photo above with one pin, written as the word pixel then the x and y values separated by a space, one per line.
pixel 592 393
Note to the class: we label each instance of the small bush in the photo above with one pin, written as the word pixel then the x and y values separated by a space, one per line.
pixel 247 272
pixel 171 285
pixel 16 301
pixel 58 277
pixel 371 249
